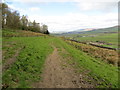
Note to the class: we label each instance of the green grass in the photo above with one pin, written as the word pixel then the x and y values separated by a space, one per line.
pixel 107 38
pixel 17 33
pixel 9 49
pixel 111 38
pixel 29 63
pixel 98 69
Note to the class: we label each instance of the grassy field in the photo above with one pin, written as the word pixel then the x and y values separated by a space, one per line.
pixel 32 52
pixel 28 64
pixel 110 38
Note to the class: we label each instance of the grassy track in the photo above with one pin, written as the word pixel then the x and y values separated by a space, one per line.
pixel 28 65
pixel 98 69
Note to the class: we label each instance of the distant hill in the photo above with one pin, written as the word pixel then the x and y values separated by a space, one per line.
pixel 92 31
pixel 104 30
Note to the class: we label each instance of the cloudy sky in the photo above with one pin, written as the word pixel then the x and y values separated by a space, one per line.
pixel 69 15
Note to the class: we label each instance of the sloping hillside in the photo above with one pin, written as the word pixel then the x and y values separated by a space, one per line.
pixel 30 61
pixel 106 37
pixel 103 30
pixel 93 31
pixel 19 33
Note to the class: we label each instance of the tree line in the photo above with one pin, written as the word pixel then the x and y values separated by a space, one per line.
pixel 12 19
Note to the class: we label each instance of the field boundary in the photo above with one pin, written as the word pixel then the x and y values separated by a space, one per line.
pixel 94 45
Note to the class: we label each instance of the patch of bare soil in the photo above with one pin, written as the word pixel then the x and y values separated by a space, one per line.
pixel 58 74
pixel 10 61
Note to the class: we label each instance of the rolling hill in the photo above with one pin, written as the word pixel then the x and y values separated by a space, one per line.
pixel 91 31
pixel 107 37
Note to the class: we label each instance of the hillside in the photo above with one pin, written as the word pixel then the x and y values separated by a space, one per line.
pixel 50 62
pixel 103 30
pixel 78 56
pixel 93 31
pixel 107 37
pixel 19 33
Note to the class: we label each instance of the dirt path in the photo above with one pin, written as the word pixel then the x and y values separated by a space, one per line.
pixel 58 74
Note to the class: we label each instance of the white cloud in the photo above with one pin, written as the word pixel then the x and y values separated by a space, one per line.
pixel 23 10
pixel 16 8
pixel 38 1
pixel 11 6
pixel 33 9
pixel 103 6
pixel 74 21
